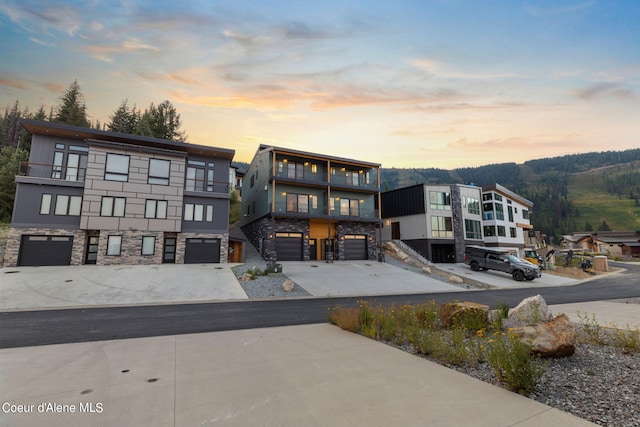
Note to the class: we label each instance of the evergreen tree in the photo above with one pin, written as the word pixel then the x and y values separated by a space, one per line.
pixel 10 158
pixel 235 207
pixel 588 226
pixel 124 119
pixel 72 109
pixel 604 226
pixel 162 122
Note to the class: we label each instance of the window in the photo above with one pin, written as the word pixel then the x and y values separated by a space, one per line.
pixel 441 226
pixel 45 204
pixel 56 171
pixel 510 212
pixel 297 202
pixel 344 207
pixel 354 207
pixel 313 200
pixel 112 206
pixel 489 230
pixel 440 200
pixel 159 171
pixel 62 204
pixel 117 167
pixel 148 245
pixel 502 231
pixel 66 205
pixel 513 232
pixel 498 197
pixel 472 204
pixel 76 165
pixel 473 229
pixel 487 196
pixel 156 209
pixel 487 211
pixel 295 170
pixel 525 214
pixel 200 176
pixel 196 212
pixel 114 244
pixel 499 211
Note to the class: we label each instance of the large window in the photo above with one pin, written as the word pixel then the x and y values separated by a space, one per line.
pixel 472 204
pixel 68 205
pixel 439 200
pixel 487 211
pixel 112 206
pixel 347 207
pixel 197 212
pixel 472 229
pixel 159 171
pixel 114 244
pixel 442 226
pixel 297 202
pixel 200 176
pixel 117 167
pixel 489 230
pixel 156 209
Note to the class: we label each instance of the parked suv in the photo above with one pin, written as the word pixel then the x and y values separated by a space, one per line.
pixel 483 258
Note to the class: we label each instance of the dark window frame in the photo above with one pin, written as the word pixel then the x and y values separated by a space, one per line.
pixel 156 179
pixel 116 175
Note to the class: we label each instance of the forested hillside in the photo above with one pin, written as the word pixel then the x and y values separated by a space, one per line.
pixel 578 192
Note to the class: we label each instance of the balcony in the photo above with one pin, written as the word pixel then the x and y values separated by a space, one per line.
pixel 321 211
pixel 58 172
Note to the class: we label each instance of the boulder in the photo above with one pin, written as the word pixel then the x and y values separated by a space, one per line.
pixel 554 338
pixel 288 286
pixel 426 270
pixel 468 315
pixel 455 279
pixel 531 310
pixel 245 277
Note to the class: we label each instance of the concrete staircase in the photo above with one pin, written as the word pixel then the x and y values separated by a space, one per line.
pixel 411 252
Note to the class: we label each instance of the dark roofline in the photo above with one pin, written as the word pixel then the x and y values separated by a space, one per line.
pixel 264 147
pixel 39 127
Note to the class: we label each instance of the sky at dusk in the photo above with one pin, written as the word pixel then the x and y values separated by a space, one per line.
pixel 425 83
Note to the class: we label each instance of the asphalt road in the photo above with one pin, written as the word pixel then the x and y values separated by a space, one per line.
pixel 31 328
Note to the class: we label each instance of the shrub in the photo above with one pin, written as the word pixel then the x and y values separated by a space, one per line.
pixel 345 318
pixel 512 362
pixel 627 341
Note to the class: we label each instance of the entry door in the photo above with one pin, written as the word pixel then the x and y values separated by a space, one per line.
pixel 169 255
pixel 92 250
pixel 395 230
pixel 313 250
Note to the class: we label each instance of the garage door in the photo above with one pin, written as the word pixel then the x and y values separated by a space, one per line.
pixel 200 251
pixel 355 247
pixel 289 246
pixel 45 250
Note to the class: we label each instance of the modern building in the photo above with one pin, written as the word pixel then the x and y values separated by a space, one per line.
pixel 437 221
pixel 305 206
pixel 93 197
pixel 505 218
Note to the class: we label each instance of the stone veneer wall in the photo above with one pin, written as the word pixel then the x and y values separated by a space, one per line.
pixel 131 249
pixel 359 228
pixel 258 233
pixel 15 237
pixel 458 223
pixel 182 241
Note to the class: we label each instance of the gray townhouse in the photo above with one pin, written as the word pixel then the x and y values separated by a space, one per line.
pixel 94 197
pixel 301 206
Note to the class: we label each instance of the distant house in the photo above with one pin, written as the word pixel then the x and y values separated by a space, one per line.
pixel 301 206
pixel 606 242
pixel 94 197
pixel 435 220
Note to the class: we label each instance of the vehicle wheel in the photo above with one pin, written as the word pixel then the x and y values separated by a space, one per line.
pixel 518 276
pixel 474 266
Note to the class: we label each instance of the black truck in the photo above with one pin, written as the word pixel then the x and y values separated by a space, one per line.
pixel 483 258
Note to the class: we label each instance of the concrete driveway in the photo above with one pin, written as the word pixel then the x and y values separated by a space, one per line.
pixel 28 288
pixel 353 278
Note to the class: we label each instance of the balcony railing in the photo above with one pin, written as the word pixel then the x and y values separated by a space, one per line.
pixel 44 170
pixel 281 207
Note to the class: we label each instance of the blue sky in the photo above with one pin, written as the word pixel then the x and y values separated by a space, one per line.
pixel 403 83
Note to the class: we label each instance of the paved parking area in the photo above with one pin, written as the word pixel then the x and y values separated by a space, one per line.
pixel 502 280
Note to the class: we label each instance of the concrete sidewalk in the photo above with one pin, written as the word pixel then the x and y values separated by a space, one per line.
pixel 315 375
